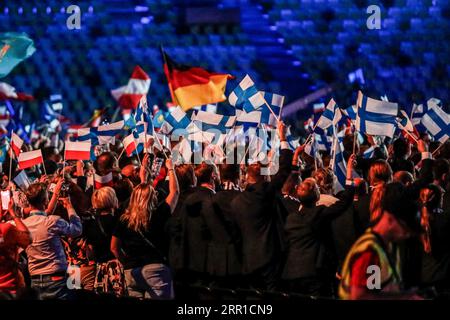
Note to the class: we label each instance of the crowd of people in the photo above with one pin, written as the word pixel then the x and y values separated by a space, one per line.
pixel 154 236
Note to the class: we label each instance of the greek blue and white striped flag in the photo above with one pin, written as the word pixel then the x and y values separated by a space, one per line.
pixel 175 119
pixel 376 117
pixel 246 96
pixel 275 101
pixel 437 123
pixel 330 116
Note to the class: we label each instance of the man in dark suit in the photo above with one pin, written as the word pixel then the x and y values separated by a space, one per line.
pixel 231 270
pixel 311 262
pixel 258 216
pixel 204 235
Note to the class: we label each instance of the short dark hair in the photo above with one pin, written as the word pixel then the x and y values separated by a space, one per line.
pixel 36 194
pixel 104 163
pixel 229 172
pixel 400 148
pixel 204 172
pixel 185 175
pixel 50 166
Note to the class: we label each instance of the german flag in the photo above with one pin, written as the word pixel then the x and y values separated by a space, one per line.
pixel 193 86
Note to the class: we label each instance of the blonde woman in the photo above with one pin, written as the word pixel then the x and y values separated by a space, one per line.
pixel 140 241
pixel 98 227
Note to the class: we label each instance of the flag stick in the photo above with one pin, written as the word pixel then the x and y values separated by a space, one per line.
pixel 411 135
pixel 11 154
pixel 281 108
pixel 43 166
pixel 121 153
pixel 162 148
pixel 248 148
pixel 438 148
pixel 139 159
pixel 268 106
pixel 355 137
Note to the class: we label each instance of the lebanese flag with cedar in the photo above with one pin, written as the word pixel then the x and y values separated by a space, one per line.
pixel 79 150
pixel 130 144
pixel 29 159
pixel 16 144
pixel 103 181
pixel 128 96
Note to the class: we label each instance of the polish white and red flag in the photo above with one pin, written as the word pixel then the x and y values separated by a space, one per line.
pixel 16 144
pixel 30 158
pixel 77 150
pixel 103 181
pixel 8 92
pixel 128 96
pixel 130 144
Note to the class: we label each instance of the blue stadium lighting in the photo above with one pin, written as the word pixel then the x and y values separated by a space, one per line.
pixel 91 9
pixel 49 10
pixel 305 75
pixel 296 63
pixel 20 10
pixel 62 10
pixel 280 40
pixel 6 10
pixel 273 28
pixel 145 20
pixel 140 9
pixel 34 10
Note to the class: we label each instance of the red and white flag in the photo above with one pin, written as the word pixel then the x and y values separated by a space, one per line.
pixel 128 96
pixel 16 144
pixel 30 158
pixel 8 92
pixel 103 181
pixel 130 145
pixel 79 150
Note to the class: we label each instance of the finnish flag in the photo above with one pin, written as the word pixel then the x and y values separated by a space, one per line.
pixel 376 117
pixel 246 96
pixel 437 122
pixel 330 116
pixel 338 165
pixel 350 112
pixel 248 119
pixel 275 101
pixel 175 119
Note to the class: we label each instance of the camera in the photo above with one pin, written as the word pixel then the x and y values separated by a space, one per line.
pixel 64 190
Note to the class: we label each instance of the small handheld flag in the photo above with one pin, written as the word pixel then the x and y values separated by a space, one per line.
pixel 30 159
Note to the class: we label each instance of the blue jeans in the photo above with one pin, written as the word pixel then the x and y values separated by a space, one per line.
pixel 49 288
pixel 152 281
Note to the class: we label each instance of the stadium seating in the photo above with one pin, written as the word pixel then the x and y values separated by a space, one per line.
pixel 289 46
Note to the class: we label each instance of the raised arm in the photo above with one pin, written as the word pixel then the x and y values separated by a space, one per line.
pixel 285 161
pixel 174 189
pixel 54 200
pixel 73 228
